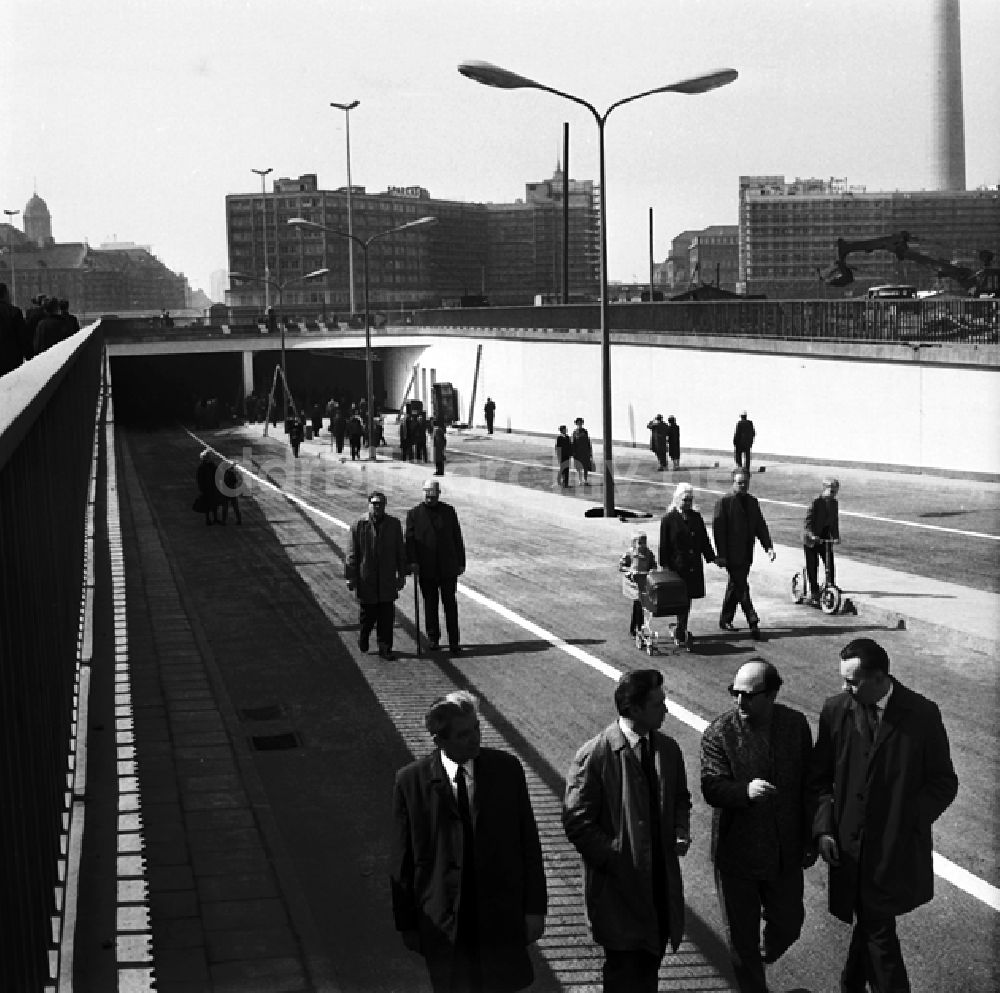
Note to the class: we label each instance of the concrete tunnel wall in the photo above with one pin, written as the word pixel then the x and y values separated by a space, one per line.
pixel 904 414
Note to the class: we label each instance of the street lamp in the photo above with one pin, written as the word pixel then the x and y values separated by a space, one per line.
pixel 347 108
pixel 421 222
pixel 263 206
pixel 10 251
pixel 248 277
pixel 491 75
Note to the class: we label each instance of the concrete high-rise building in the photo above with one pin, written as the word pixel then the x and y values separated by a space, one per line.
pixel 947 111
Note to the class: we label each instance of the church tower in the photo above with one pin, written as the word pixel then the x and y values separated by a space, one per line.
pixel 37 222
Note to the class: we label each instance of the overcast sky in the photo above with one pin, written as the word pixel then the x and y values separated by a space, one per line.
pixel 134 118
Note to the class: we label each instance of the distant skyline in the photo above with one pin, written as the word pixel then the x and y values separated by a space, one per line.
pixel 134 122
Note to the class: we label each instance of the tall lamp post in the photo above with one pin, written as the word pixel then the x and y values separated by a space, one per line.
pixel 365 243
pixel 263 206
pixel 347 108
pixel 10 251
pixel 250 278
pixel 504 79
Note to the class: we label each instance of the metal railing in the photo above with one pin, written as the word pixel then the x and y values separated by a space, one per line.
pixel 47 423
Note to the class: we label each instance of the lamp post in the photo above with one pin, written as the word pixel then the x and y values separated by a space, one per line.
pixel 504 79
pixel 10 251
pixel 248 277
pixel 301 222
pixel 263 206
pixel 347 108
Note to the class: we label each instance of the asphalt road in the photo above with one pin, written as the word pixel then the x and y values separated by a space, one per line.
pixel 282 626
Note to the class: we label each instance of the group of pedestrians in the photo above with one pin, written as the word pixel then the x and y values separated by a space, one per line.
pixel 22 337
pixel 665 441
pixel 220 485
pixel 466 864
pixel 574 450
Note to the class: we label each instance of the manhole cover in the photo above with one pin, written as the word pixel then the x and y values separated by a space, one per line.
pixel 275 742
pixel 269 713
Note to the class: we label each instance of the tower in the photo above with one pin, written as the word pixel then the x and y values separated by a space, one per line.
pixel 38 222
pixel 947 115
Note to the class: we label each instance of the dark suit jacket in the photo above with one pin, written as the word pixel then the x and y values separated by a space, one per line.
pixel 434 541
pixel 910 782
pixel 428 854
pixel 376 562
pixel 735 530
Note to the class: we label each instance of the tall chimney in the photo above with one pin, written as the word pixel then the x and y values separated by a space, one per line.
pixel 947 117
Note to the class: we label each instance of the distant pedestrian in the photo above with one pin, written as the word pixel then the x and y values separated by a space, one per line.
pixel 420 432
pixel 376 570
pixel 50 329
pixel 209 498
pixel 673 442
pixel 684 542
pixel 738 525
pixel 754 774
pixel 69 320
pixel 820 533
pixel 295 434
pixel 13 334
pixel 489 410
pixel 658 441
pixel 637 563
pixel 338 425
pixel 439 440
pixel 627 811
pixel 435 550
pixel 564 456
pixel 355 430
pixel 583 453
pixel 32 318
pixel 231 491
pixel 316 415
pixel 883 773
pixel 466 870
pixel 743 438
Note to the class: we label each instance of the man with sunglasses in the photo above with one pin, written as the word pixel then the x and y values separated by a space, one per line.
pixel 754 774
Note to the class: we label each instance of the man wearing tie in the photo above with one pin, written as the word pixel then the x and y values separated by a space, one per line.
pixel 882 770
pixel 468 885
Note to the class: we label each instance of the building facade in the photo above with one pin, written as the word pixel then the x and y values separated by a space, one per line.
pixel 507 253
pixel 788 234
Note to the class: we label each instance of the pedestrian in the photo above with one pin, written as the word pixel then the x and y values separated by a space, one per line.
pixel 231 490
pixel 736 525
pixel 743 438
pixel 658 441
pixel 70 321
pixel 820 533
pixel 636 563
pixel 436 553
pixel 420 431
pixel 32 318
pixel 13 334
pixel 50 329
pixel 316 414
pixel 754 774
pixel 209 498
pixel 684 542
pixel 489 410
pixel 295 433
pixel 564 456
pixel 439 441
pixel 466 872
pixel 338 425
pixel 883 775
pixel 376 570
pixel 673 442
pixel 627 812
pixel 355 429
pixel 583 452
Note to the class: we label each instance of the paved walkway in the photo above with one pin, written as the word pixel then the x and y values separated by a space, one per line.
pixel 227 916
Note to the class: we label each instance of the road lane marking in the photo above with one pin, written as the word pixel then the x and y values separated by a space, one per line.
pixel 943 867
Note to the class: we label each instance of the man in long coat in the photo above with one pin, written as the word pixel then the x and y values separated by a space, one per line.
pixel 376 569
pixel 743 438
pixel 882 771
pixel 627 811
pixel 736 525
pixel 658 440
pixel 466 871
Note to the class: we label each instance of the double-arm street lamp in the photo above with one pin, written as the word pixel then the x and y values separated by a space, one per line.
pixel 279 287
pixel 421 222
pixel 10 251
pixel 263 208
pixel 491 75
pixel 347 108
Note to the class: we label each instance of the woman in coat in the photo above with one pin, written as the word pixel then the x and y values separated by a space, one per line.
pixel 583 452
pixel 684 542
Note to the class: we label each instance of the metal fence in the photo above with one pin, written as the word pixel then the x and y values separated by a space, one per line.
pixel 47 411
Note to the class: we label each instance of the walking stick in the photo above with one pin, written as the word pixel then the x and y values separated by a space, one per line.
pixel 416 611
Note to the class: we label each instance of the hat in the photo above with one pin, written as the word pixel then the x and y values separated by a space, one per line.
pixel 579 420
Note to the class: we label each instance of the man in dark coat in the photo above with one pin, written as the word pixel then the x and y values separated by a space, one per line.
pixel 50 329
pixel 466 871
pixel 658 441
pixel 737 524
pixel 209 497
pixel 673 442
pixel 564 455
pixel 820 533
pixel 627 811
pixel 684 542
pixel 436 553
pixel 376 570
pixel 754 774
pixel 583 452
pixel 13 334
pixel 883 775
pixel 743 438
pixel 489 411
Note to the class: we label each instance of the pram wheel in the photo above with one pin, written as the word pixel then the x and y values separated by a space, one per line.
pixel 799 587
pixel 830 599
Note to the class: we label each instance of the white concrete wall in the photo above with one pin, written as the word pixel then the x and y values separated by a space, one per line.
pixel 836 409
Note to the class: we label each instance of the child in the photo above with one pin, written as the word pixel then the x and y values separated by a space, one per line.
pixel 636 562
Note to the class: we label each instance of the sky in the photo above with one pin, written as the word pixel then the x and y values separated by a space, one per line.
pixel 133 119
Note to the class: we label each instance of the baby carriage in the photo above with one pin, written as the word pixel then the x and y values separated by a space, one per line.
pixel 661 596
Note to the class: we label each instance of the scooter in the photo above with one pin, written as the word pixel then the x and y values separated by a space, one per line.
pixel 830 595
